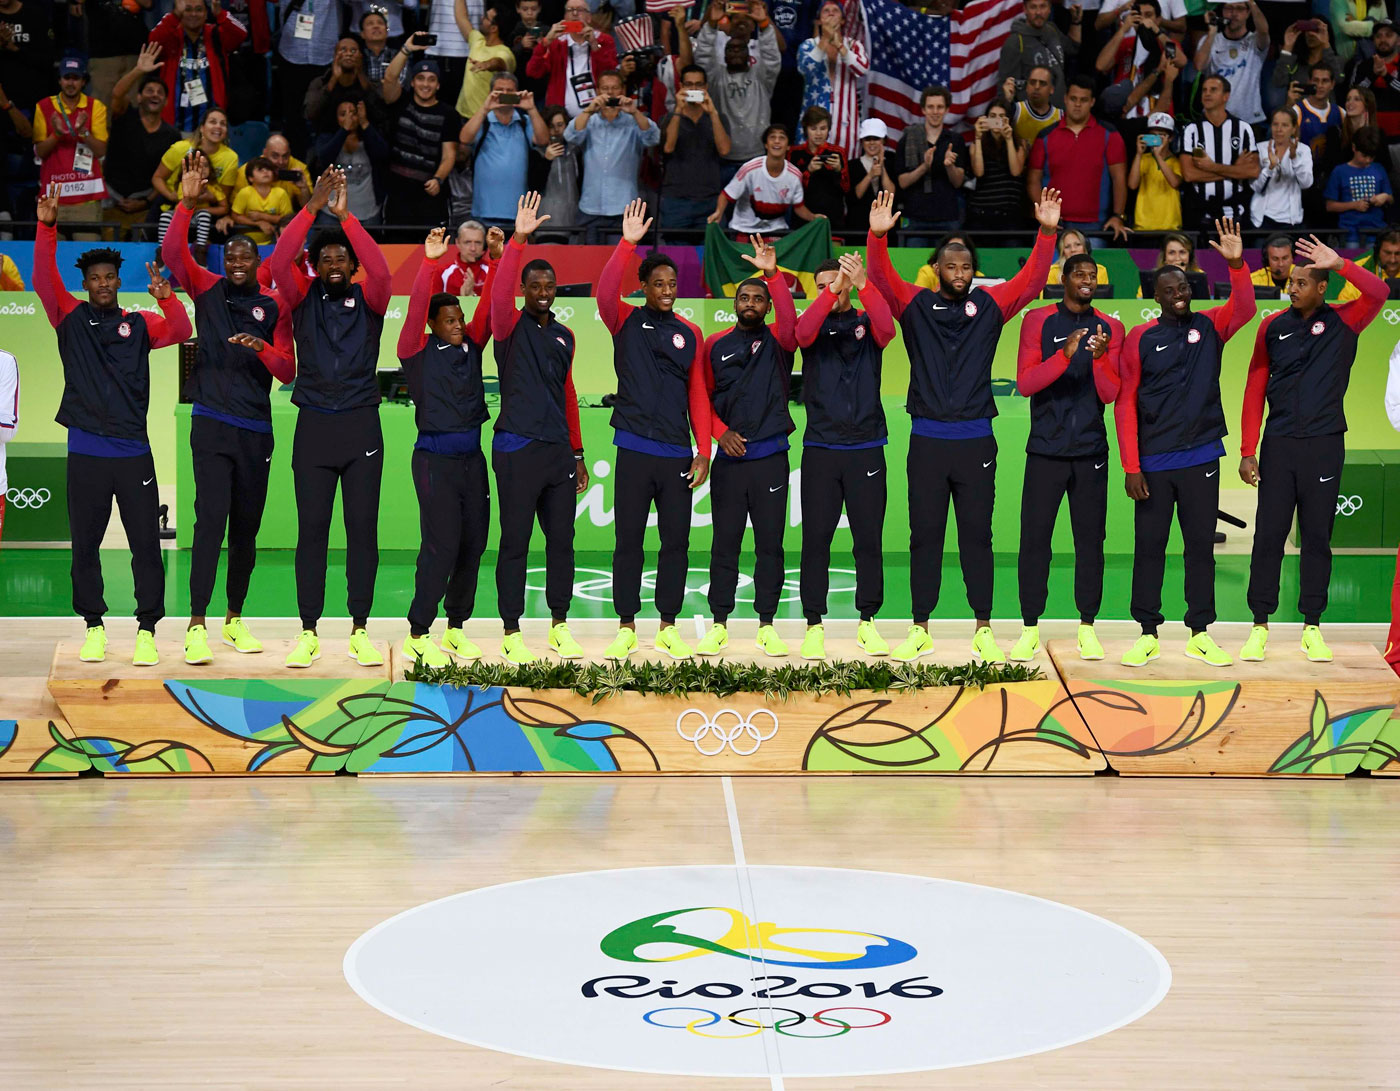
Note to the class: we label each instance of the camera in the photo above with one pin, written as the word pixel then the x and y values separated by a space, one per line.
pixel 289 176
pixel 508 98
pixel 696 97
pixel 612 100
pixel 1152 140
pixel 1309 89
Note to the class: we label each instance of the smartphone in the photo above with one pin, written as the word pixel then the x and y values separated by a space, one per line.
pixel 1152 140
pixel 1309 89
pixel 508 98
pixel 573 26
pixel 1306 25
pixel 693 96
pixel 422 37
pixel 289 176
pixel 612 100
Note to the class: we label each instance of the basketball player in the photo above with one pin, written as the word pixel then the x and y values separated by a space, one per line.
pixel 443 369
pixel 1170 423
pixel 337 326
pixel 661 402
pixel 537 452
pixel 951 336
pixel 1301 366
pixel 747 371
pixel 1068 366
pixel 230 418
pixel 843 456
pixel 106 355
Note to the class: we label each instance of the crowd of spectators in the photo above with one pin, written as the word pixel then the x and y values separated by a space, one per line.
pixel 1151 116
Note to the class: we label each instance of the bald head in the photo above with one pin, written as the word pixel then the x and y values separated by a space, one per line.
pixel 277 151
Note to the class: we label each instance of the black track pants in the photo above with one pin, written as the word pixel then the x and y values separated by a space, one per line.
pixel 639 481
pixel 93 483
pixel 743 490
pixel 454 513
pixel 831 478
pixel 963 471
pixel 1193 494
pixel 231 467
pixel 344 449
pixel 1300 475
pixel 1047 481
pixel 537 481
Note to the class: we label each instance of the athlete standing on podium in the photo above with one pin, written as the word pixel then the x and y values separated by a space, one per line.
pixel 230 418
pixel 337 326
pixel 661 401
pixel 1068 367
pixel 952 335
pixel 1170 425
pixel 1301 365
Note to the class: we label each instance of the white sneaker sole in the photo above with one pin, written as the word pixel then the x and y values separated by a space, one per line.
pixel 241 651
pixel 714 654
pixel 199 662
pixel 1318 658
pixel 1251 658
pixel 576 655
pixel 1149 659
pixel 153 663
pixel 678 656
pixel 770 655
pixel 1012 657
pixel 1199 658
pixel 877 654
pixel 303 666
pixel 1090 658
pixel 361 662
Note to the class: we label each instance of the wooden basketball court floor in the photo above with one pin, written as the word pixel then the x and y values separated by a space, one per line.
pixel 183 932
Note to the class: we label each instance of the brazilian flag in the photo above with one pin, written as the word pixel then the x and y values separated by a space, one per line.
pixel 799 254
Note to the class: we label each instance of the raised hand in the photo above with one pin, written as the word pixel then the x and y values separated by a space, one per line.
pixel 1318 254
pixel 883 217
pixel 527 215
pixel 635 222
pixel 322 191
pixel 248 341
pixel 340 196
pixel 435 245
pixel 192 180
pixel 495 243
pixel 1231 245
pixel 148 60
pixel 160 287
pixel 764 257
pixel 46 210
pixel 1047 209
pixel 854 270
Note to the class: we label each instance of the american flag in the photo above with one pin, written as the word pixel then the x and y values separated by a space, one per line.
pixel 909 51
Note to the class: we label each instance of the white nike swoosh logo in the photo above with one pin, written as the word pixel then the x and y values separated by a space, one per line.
pixel 871 473
pixel 686 474
pixel 571 475
pixel 936 307
pixel 1320 480
pixel 1100 465
pixel 374 452
pixel 268 458
pixel 724 358
pixel 1162 348
pixel 776 489
pixel 148 481
pixel 1212 473
pixel 985 465
pixel 1285 336
pixel 1059 340
pixel 92 323
pixel 648 326
pixel 441 347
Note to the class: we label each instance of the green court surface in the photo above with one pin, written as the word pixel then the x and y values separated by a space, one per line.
pixel 35 583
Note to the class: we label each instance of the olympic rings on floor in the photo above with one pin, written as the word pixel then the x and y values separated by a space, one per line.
pixel 782 1025
pixel 647 1018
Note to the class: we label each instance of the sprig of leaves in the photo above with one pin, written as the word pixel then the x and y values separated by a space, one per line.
pixel 611 679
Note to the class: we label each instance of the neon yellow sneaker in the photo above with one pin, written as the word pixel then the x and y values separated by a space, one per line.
pixel 514 650
pixel 94 648
pixel 1089 647
pixel 669 642
pixel 145 654
pixel 869 640
pixel 425 651
pixel 363 651
pixel 1315 647
pixel 984 646
pixel 917 643
pixel 455 643
pixel 197 646
pixel 623 645
pixel 306 650
pixel 714 642
pixel 1143 652
pixel 1202 647
pixel 236 636
pixel 563 643
pixel 1026 647
pixel 814 643
pixel 769 642
pixel 1254 647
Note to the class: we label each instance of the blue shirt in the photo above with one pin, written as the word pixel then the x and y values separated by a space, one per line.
pixel 325 32
pixel 248 424
pixel 630 441
pixel 867 445
pixel 1180 460
pixel 1349 183
pixel 759 448
pixel 90 443
pixel 449 443
pixel 951 429
pixel 506 442
pixel 502 155
pixel 612 155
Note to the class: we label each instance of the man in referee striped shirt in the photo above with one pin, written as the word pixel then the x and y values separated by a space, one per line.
pixel 1218 160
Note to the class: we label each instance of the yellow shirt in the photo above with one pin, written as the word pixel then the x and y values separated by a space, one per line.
pixel 476 86
pixel 1028 125
pixel 240 179
pixel 275 203
pixel 1054 277
pixel 223 168
pixel 1350 291
pixel 1265 278
pixel 10 280
pixel 1158 205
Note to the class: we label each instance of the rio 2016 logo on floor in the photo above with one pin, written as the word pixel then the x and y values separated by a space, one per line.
pixel 771 971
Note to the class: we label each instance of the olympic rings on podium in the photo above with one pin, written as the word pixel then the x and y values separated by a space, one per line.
pixel 743 728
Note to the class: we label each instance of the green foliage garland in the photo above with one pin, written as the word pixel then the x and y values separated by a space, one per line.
pixel 721 678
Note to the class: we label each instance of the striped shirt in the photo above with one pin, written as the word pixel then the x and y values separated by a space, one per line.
pixel 1223 144
pixel 441 22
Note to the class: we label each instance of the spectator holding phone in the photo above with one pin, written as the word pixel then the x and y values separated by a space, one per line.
pixel 1230 50
pixel 527 33
pixel 421 150
pixel 1313 105
pixel 1032 112
pixel 571 57
pixel 1316 50
pixel 764 191
pixel 358 150
pixel 870 174
pixel 741 87
pixel 1155 174
pixel 1035 41
pixel 998 160
pixel 1378 71
pixel 831 66
pixel 559 188
pixel 1285 172
pixel 613 132
pixel 694 142
pixel 825 180
pixel 500 135
pixel 293 177
pixel 346 78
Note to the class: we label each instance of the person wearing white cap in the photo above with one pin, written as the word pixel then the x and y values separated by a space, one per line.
pixel 1156 175
pixel 867 171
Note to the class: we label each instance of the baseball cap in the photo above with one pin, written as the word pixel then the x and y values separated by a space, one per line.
pixel 873 126
pixel 1379 23
pixel 426 66
pixel 1161 120
pixel 71 66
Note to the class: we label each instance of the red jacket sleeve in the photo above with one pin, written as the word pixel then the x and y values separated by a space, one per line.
pixel 167 35
pixel 231 33
pixel 1256 385
pixel 373 262
pixel 1232 315
pixel 541 62
pixel 57 299
pixel 699 396
pixel 292 282
pixel 171 326
pixel 897 291
pixel 611 308
pixel 1032 373
pixel 784 313
pixel 1015 293
pixel 571 409
pixel 604 58
pixel 1107 369
pixel 881 321
pixel 413 337
pixel 276 356
pixel 1125 408
pixel 810 324
pixel 1360 313
pixel 479 328
pixel 175 252
pixel 504 313
pixel 717 426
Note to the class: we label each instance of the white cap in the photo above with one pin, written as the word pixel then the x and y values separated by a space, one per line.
pixel 873 126
pixel 1161 120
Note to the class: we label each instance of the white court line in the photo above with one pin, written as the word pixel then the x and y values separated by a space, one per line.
pixel 700 635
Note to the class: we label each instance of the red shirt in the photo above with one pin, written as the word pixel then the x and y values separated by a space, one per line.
pixel 1077 165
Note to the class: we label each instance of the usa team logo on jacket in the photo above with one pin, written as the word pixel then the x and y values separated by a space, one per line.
pixel 1193 336
pixel 259 314
pixel 678 340
pixel 349 301
pixel 1318 327
pixel 860 332
pixel 124 329
pixel 970 309
pixel 755 347
pixel 562 342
